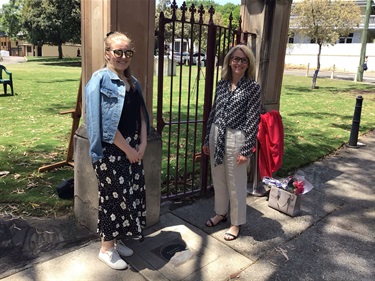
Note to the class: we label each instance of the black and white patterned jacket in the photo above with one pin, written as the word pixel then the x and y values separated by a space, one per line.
pixel 238 109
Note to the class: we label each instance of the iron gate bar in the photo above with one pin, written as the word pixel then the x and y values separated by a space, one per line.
pixel 201 11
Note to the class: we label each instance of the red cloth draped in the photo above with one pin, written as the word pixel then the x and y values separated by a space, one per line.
pixel 270 143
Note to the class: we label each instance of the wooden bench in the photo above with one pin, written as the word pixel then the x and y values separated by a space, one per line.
pixel 4 81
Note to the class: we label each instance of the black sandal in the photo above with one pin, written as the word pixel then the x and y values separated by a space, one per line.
pixel 233 237
pixel 210 223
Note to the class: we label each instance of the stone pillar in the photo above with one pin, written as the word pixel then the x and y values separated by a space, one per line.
pixel 270 21
pixel 136 18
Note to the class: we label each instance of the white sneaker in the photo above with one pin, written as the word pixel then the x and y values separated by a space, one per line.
pixel 123 250
pixel 112 259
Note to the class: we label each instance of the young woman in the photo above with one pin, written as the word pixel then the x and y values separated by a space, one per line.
pixel 231 136
pixel 117 125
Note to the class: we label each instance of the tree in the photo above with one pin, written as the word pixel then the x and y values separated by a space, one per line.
pixel 165 6
pixel 228 9
pixel 324 21
pixel 53 22
pixel 10 18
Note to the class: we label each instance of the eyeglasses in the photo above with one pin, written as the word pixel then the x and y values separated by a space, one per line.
pixel 119 53
pixel 242 60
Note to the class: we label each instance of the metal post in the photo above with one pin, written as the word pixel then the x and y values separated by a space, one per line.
pixel 255 186
pixel 364 42
pixel 333 72
pixel 355 125
pixel 308 68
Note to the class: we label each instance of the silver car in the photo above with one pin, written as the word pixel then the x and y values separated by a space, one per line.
pixel 199 57
pixel 181 59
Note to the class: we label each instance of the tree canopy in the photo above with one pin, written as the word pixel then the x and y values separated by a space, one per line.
pixel 220 17
pixel 52 22
pixel 11 18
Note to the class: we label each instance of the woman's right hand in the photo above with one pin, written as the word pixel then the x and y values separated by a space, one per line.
pixel 133 155
pixel 206 149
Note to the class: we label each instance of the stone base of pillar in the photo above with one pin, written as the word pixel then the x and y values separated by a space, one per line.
pixel 152 166
pixel 86 187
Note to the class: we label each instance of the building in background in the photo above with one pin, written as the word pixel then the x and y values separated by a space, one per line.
pixel 22 48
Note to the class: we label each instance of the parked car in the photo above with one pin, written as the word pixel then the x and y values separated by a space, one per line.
pixel 198 57
pixel 181 59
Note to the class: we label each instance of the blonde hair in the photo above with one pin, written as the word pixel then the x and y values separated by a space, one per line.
pixel 108 40
pixel 226 72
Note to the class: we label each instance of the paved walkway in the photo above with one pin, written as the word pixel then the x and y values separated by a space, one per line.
pixel 332 239
pixel 12 60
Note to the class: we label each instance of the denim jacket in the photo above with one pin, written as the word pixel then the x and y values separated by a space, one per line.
pixel 104 99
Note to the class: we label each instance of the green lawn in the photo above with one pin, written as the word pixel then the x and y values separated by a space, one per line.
pixel 34 134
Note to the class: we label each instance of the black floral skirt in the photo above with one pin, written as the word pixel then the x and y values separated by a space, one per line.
pixel 122 194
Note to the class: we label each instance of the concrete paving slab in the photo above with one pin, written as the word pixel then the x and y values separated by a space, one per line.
pixel 81 264
pixel 209 258
pixel 33 240
pixel 324 252
pixel 355 218
pixel 265 227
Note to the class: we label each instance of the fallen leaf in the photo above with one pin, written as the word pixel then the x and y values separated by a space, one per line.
pixel 34 205
pixel 4 173
pixel 283 252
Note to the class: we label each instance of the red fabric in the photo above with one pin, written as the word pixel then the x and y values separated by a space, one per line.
pixel 270 143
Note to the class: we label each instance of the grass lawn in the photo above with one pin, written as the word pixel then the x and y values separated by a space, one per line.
pixel 34 134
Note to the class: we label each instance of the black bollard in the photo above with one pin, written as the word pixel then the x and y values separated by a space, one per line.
pixel 355 125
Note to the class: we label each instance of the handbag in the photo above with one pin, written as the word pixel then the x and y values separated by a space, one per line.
pixel 284 201
pixel 65 190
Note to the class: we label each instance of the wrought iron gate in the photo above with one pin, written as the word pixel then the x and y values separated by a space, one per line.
pixel 190 55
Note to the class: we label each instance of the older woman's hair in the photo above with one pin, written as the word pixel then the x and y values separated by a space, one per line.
pixel 226 72
pixel 108 40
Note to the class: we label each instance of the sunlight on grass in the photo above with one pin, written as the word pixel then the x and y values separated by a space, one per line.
pixel 33 134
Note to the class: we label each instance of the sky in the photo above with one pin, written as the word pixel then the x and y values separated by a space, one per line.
pixel 3 2
pixel 179 2
pixel 221 2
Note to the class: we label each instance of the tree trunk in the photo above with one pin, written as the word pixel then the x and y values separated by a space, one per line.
pixel 60 51
pixel 316 72
pixel 39 50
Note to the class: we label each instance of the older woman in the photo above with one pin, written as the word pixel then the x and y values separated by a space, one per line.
pixel 231 136
pixel 117 125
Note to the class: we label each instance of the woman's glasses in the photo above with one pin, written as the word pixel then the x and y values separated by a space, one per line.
pixel 242 60
pixel 119 53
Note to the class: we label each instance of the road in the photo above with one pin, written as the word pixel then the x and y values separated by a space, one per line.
pixel 369 77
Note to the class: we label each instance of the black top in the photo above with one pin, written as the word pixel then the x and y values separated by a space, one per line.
pixel 130 121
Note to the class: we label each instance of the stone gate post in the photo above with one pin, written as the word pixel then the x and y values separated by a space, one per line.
pixel 136 18
pixel 269 20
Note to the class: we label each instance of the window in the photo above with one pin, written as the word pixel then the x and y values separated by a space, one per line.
pixel 346 40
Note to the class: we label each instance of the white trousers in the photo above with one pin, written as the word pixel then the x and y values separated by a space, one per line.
pixel 229 178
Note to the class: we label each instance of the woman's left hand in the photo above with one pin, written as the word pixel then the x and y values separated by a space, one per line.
pixel 241 159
